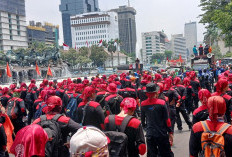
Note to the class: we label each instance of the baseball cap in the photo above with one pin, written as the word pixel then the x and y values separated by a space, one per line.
pixel 89 140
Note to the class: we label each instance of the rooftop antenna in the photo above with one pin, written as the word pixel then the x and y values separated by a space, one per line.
pixel 128 3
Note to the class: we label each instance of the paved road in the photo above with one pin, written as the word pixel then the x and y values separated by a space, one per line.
pixel 181 142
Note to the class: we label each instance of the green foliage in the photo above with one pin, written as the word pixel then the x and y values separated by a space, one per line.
pixel 228 54
pixel 216 51
pixel 98 55
pixel 217 16
pixel 84 51
pixel 159 57
pixel 223 19
pixel 111 48
pixel 83 61
pixel 70 56
pixel 168 54
pixel 38 46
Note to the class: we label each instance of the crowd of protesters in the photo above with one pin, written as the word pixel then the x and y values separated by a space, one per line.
pixel 110 116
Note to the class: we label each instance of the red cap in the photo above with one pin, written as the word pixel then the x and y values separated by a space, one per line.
pixel 128 103
pixel 112 88
pixel 54 101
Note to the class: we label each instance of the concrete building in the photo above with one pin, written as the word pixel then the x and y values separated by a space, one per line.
pixel 73 7
pixel 47 33
pixel 190 34
pixel 13 32
pixel 178 46
pixel 152 42
pixel 94 27
pixel 127 28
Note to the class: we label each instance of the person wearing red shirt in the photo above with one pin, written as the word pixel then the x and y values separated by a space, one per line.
pixel 201 113
pixel 136 142
pixel 67 125
pixel 217 109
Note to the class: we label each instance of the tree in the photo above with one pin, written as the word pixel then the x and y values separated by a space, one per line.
pixel 223 19
pixel 216 51
pixel 210 18
pixel 98 55
pixel 38 46
pixel 111 48
pixel 84 51
pixel 168 54
pixel 228 54
pixel 83 61
pixel 159 57
pixel 70 56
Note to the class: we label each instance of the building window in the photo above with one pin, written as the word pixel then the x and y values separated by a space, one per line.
pixel 9 15
pixel 18 32
pixel 66 7
pixel 148 38
pixel 11 47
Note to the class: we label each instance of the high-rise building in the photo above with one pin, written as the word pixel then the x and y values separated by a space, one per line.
pixel 178 46
pixel 90 28
pixel 127 28
pixel 47 33
pixel 152 42
pixel 73 7
pixel 190 34
pixel 13 32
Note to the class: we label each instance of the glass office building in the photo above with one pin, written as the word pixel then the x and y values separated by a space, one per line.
pixel 74 7
pixel 13 33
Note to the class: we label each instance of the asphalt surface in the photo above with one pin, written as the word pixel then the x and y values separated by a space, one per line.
pixel 180 147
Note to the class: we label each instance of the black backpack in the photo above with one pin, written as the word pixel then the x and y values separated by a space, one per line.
pixel 12 109
pixel 118 139
pixel 71 109
pixel 53 130
pixel 29 100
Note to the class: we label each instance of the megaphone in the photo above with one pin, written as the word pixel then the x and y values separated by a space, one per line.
pixel 209 55
pixel 192 56
pixel 178 64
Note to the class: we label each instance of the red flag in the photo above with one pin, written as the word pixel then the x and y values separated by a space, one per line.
pixel 100 43
pixel 8 72
pixel 37 69
pixel 49 73
pixel 65 47
pixel 87 43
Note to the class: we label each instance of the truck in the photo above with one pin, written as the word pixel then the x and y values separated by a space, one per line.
pixel 203 61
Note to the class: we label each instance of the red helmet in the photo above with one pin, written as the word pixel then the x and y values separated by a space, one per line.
pixel 45 82
pixel 204 95
pixel 221 85
pixel 176 81
pixel 186 81
pixel 216 106
pixel 5 90
pixel 12 86
pixel 54 102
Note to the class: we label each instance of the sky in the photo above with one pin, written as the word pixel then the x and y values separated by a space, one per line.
pixel 152 15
